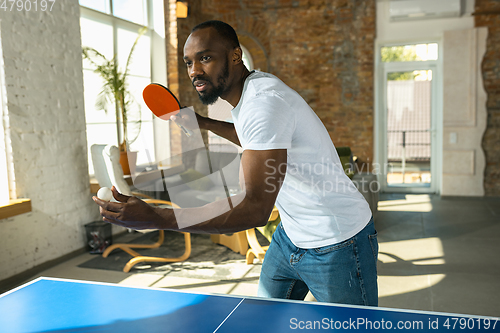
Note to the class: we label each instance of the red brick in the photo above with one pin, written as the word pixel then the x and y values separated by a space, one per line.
pixel 314 46
pixel 486 15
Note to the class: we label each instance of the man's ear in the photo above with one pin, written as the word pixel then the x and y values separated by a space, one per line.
pixel 237 55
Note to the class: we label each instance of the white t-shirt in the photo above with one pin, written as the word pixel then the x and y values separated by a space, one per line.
pixel 318 203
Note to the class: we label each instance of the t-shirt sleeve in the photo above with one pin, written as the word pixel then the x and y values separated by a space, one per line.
pixel 268 122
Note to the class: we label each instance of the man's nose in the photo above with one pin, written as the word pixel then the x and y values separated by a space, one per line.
pixel 195 70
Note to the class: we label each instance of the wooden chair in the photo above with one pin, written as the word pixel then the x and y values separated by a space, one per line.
pixel 108 173
pixel 138 258
pixel 256 250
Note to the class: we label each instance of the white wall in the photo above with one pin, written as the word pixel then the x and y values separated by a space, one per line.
pixel 464 112
pixel 419 30
pixel 44 87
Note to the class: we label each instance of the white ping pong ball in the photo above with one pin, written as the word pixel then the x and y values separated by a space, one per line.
pixel 105 194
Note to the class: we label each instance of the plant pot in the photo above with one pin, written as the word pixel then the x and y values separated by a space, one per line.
pixel 128 160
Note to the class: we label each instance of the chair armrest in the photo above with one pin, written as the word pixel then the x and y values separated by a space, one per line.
pixel 368 185
pixel 274 214
pixel 142 195
pixel 347 160
pixel 161 202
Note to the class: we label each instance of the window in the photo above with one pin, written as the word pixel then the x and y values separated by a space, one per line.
pixel 4 179
pixel 4 176
pixel 111 27
pixel 417 52
pixel 407 53
pixel 100 5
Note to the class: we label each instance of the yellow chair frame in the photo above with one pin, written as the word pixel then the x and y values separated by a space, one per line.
pixel 256 250
pixel 138 258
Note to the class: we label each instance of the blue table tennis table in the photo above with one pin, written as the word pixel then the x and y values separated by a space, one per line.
pixel 59 305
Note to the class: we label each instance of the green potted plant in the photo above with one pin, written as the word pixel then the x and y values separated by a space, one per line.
pixel 115 92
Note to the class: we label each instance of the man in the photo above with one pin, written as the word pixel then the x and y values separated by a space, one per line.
pixel 326 242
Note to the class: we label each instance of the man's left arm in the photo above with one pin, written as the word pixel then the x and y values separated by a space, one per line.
pixel 263 174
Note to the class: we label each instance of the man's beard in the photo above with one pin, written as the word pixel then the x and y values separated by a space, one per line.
pixel 210 97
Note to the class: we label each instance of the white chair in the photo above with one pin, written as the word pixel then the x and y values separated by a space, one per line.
pixel 108 172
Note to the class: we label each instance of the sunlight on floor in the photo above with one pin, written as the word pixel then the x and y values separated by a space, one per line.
pixel 397 285
pixel 412 250
pixel 140 280
pixel 411 203
pixel 405 255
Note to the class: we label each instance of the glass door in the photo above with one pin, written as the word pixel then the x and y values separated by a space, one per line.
pixel 409 96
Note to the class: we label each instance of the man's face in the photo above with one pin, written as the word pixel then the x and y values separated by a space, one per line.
pixel 207 61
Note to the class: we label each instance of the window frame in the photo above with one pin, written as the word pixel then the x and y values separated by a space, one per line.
pixel 157 70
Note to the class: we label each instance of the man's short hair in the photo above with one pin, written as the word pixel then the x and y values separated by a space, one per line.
pixel 223 29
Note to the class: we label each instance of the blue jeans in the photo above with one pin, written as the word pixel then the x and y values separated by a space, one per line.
pixel 340 273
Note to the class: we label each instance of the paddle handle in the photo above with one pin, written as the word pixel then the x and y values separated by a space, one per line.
pixel 185 130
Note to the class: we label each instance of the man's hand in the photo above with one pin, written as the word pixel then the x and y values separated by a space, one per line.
pixel 263 172
pixel 131 212
pixel 189 119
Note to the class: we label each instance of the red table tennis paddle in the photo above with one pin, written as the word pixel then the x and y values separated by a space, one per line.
pixel 163 103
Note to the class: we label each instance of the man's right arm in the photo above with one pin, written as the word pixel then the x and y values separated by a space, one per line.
pixel 221 128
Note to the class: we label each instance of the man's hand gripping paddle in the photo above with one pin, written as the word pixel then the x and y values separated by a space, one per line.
pixel 163 103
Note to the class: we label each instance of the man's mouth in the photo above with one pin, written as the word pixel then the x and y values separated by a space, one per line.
pixel 200 85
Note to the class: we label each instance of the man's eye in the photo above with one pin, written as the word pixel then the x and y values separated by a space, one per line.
pixel 205 58
pixel 188 63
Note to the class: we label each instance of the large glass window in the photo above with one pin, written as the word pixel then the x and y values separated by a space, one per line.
pixel 100 5
pixel 111 27
pixel 4 178
pixel 414 52
pixel 131 10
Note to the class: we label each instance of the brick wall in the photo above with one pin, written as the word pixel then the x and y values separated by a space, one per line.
pixel 487 14
pixel 173 69
pixel 322 49
pixel 44 93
